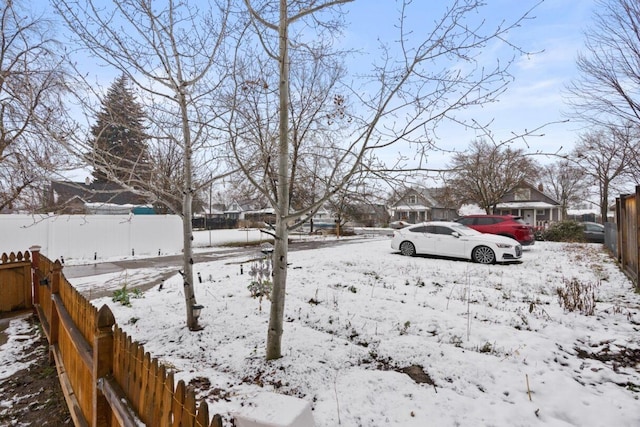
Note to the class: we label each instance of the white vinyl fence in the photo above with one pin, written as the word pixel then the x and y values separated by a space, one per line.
pixel 89 236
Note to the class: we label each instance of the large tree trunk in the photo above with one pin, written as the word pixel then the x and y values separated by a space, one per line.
pixel 281 243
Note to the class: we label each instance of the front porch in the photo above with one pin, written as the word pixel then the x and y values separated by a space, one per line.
pixel 410 213
pixel 536 214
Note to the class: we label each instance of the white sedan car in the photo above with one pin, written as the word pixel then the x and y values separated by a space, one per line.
pixel 452 239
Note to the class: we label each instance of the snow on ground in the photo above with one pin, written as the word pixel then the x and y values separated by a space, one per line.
pixel 493 341
pixel 20 336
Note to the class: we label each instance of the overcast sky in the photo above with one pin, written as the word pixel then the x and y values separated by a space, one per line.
pixel 536 96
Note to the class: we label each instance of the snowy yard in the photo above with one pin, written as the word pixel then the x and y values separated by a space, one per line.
pixel 373 338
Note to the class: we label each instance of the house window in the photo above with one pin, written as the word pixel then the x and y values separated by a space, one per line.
pixel 522 194
pixel 541 212
pixel 413 199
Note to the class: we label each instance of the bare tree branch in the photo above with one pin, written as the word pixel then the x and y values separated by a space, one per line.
pixel 295 125
pixel 32 82
pixel 175 57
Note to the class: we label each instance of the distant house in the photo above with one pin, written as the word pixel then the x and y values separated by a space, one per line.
pixel 370 215
pixel 215 210
pixel 421 204
pixel 105 198
pixel 259 216
pixel 234 210
pixel 322 214
pixel 532 204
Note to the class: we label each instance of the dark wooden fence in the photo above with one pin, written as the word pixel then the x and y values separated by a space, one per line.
pixel 107 379
pixel 213 223
pixel 628 233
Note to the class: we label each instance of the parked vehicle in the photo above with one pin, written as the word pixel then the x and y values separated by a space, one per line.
pixel 593 232
pixel 399 224
pixel 452 239
pixel 503 225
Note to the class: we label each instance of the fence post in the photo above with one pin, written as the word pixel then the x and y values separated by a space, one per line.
pixel 618 229
pixel 35 273
pixel 636 237
pixel 54 319
pixel 102 364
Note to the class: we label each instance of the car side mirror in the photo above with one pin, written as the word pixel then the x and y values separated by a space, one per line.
pixel 455 234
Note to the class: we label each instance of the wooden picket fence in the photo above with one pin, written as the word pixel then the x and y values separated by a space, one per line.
pixel 15 280
pixel 107 379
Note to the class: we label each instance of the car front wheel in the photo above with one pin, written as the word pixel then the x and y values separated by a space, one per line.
pixel 483 255
pixel 407 249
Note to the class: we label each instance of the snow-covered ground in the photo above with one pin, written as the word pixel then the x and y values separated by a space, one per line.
pixel 493 343
pixel 20 336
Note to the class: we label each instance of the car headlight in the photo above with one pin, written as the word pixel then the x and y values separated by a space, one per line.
pixel 503 245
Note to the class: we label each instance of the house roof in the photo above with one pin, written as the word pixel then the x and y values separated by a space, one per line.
pixel 540 190
pixel 95 192
pixel 427 195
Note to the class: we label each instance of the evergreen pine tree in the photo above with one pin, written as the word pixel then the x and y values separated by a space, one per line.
pixel 119 139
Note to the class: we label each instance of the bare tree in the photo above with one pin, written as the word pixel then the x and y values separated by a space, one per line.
pixel 604 155
pixel 356 201
pixel 31 83
pixel 565 182
pixel 486 172
pixel 420 81
pixel 606 90
pixel 173 56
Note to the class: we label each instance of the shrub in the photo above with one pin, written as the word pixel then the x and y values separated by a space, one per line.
pixel 261 284
pixel 123 295
pixel 564 231
pixel 578 296
pixel 260 288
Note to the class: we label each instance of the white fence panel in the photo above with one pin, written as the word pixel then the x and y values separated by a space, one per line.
pixel 83 236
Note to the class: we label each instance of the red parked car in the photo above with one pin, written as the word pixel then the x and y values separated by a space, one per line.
pixel 504 225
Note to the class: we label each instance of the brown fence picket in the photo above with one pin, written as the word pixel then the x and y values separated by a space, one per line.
pixel 202 416
pixel 166 417
pixel 144 382
pixel 159 393
pixel 103 343
pixel 107 378
pixel 177 405
pixel 190 408
pixel 15 282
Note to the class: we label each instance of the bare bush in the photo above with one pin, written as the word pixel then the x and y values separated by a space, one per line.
pixel 578 296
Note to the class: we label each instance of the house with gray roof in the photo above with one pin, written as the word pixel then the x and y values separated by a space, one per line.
pixel 531 203
pixel 421 204
pixel 94 197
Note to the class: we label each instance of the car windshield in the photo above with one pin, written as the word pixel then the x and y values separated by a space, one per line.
pixel 464 230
